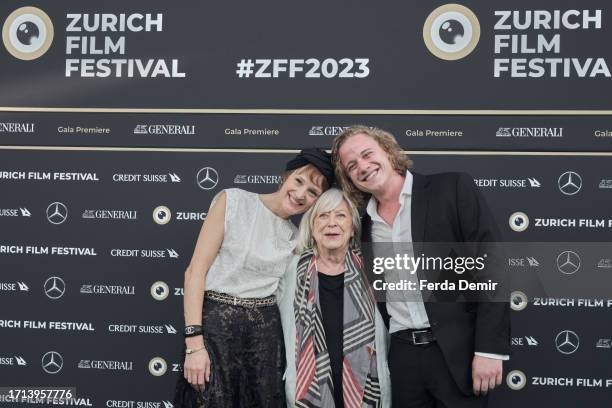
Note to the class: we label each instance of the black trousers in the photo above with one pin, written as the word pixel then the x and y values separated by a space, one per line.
pixel 247 355
pixel 420 378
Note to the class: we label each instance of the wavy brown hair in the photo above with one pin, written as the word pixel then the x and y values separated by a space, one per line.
pixel 385 140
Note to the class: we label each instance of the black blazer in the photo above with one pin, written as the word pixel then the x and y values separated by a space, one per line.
pixel 447 207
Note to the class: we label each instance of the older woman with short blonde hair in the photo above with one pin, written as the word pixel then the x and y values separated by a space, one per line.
pixel 335 338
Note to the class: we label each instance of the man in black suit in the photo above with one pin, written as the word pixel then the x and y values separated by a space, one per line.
pixel 442 354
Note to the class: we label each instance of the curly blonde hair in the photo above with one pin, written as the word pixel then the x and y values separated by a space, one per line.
pixel 385 140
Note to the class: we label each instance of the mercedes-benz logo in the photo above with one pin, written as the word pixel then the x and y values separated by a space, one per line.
pixel 54 287
pixel 570 183
pixel 57 213
pixel 568 262
pixel 207 178
pixel 567 342
pixel 52 362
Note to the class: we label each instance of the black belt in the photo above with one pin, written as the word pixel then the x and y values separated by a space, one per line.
pixel 416 337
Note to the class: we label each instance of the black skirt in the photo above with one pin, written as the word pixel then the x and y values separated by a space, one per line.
pixel 247 354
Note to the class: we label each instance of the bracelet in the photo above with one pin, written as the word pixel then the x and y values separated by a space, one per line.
pixel 191 351
pixel 192 330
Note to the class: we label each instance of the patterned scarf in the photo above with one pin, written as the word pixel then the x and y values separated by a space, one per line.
pixel 360 385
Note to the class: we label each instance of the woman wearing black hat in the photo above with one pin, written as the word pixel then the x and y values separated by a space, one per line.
pixel 233 336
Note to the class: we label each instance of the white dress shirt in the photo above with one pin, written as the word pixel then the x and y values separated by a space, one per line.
pixel 404 314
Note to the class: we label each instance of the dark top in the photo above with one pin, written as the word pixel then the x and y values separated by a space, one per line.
pixel 331 299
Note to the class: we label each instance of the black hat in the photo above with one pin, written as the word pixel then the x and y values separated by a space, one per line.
pixel 318 158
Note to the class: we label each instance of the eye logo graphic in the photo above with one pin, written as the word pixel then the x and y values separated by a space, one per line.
pixel 516 380
pixel 27 33
pixel 160 290
pixel 162 215
pixel 518 301
pixel 451 32
pixel 158 366
pixel 518 221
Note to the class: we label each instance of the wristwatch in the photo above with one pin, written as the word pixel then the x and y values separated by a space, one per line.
pixel 192 330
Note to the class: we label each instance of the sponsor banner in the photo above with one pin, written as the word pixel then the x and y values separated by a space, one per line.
pixel 96 289
pixel 267 131
pixel 571 302
pixel 144 253
pixel 31 250
pixel 453 56
pixel 13 361
pixel 17 286
pixel 257 179
pixel 47 325
pixel 123 328
pixel 114 403
pixel 106 365
pixel 539 198
pixel 47 176
pixel 15 212
pixel 16 127
pixel 571 382
pixel 559 292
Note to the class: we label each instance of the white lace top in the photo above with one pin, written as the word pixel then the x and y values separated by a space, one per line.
pixel 256 249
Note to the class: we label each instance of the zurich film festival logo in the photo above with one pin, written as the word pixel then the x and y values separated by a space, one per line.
pixel 518 221
pixel 158 366
pixel 518 301
pixel 162 215
pixel 451 32
pixel 160 290
pixel 27 33
pixel 516 380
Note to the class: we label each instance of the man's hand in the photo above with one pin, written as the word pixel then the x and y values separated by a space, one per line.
pixel 486 374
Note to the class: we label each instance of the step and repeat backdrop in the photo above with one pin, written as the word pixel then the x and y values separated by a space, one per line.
pixel 120 122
